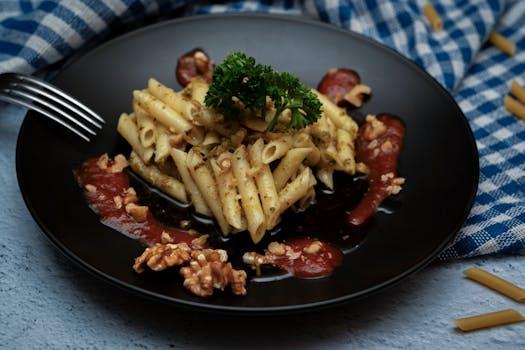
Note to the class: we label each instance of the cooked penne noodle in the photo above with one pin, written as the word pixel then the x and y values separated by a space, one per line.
pixel 146 126
pixel 195 136
pixel 172 119
pixel 265 183
pixel 433 17
pixel 496 283
pixel 228 195
pixel 336 114
pixel 174 100
pixel 162 144
pixel 179 158
pixel 345 151
pixel 514 107
pixel 354 95
pixel 205 182
pixel 249 195
pixel 289 165
pixel 197 89
pixel 326 176
pixel 295 190
pixel 129 131
pixel 157 178
pixel 491 319
pixel 518 91
pixel 305 140
pixel 501 43
pixel 276 149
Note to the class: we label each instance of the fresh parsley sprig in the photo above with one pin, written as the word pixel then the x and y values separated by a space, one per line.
pixel 240 79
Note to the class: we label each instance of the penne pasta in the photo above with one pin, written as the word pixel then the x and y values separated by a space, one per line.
pixel 501 43
pixel 491 319
pixel 276 149
pixel 174 100
pixel 433 17
pixel 249 195
pixel 157 178
pixel 127 128
pixel 228 194
pixel 518 91
pixel 205 182
pixel 514 107
pixel 289 165
pixel 265 183
pixel 295 190
pixel 172 119
pixel 496 283
pixel 179 158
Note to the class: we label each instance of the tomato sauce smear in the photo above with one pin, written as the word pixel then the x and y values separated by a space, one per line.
pixel 302 263
pixel 378 145
pixel 102 190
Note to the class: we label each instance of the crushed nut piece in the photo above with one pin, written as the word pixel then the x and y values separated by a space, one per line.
pixel 277 248
pixel 139 212
pixel 313 248
pixel 161 256
pixel 119 164
pixel 209 269
pixel 90 188
pixel 374 128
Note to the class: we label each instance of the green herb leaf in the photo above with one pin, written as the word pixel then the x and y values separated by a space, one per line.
pixel 240 79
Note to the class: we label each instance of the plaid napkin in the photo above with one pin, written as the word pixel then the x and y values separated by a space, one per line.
pixel 35 35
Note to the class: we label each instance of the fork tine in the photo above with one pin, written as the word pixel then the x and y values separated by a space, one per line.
pixel 24 103
pixel 59 92
pixel 49 105
pixel 37 91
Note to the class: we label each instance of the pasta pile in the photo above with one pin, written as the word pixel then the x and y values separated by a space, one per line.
pixel 234 171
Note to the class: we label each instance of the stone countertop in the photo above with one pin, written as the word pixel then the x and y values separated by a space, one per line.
pixel 47 302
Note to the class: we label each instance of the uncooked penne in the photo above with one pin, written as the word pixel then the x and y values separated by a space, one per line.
pixel 514 107
pixel 490 319
pixel 247 188
pixel 496 283
pixel 433 17
pixel 518 91
pixel 501 43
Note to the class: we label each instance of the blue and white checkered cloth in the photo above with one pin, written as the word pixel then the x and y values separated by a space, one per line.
pixel 37 35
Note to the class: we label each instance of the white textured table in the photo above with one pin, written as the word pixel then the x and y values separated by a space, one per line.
pixel 46 302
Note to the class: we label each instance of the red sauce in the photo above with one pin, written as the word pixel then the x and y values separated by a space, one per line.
pixel 300 263
pixel 108 186
pixel 381 161
pixel 337 83
pixel 188 67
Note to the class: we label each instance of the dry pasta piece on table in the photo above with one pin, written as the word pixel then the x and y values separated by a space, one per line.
pixel 433 17
pixel 496 283
pixel 514 107
pixel 501 43
pixel 490 319
pixel 517 91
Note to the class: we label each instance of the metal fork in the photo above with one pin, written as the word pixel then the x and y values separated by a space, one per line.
pixel 41 96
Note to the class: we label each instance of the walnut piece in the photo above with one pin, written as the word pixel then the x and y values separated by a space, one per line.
pixel 162 256
pixel 209 269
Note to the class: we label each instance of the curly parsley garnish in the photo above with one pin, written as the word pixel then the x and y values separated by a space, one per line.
pixel 240 79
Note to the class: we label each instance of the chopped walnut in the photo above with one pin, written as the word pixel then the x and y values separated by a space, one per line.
pixel 277 248
pixel 90 188
pixel 209 269
pixel 118 202
pixel 103 161
pixel 162 256
pixel 165 237
pixel 139 212
pixel 314 247
pixel 119 164
pixel 374 128
pixel 130 196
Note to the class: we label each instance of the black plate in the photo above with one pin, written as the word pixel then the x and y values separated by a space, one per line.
pixel 439 160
